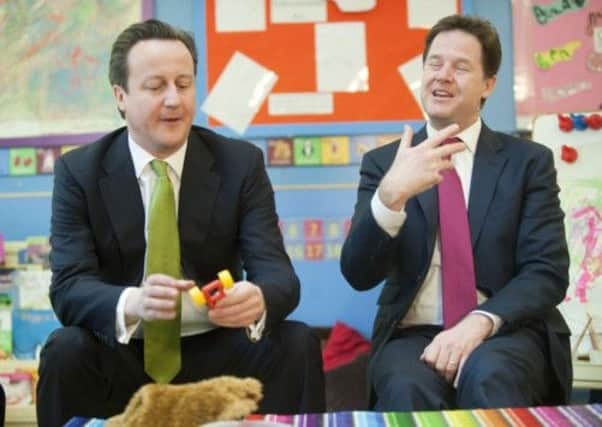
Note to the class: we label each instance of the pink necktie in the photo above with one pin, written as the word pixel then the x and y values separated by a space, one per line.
pixel 457 264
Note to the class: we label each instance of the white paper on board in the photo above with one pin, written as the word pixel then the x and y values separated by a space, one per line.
pixel 280 104
pixel 239 92
pixel 426 13
pixel 355 5
pixel 296 11
pixel 411 73
pixel 239 15
pixel 341 57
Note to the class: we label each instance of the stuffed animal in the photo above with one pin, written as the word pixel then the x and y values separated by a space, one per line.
pixel 190 405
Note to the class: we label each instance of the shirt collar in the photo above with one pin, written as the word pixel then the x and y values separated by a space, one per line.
pixel 469 136
pixel 141 158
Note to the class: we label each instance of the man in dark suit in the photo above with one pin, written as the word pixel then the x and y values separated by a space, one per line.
pixel 226 220
pixel 510 347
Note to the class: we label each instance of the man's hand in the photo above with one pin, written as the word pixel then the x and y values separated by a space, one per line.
pixel 242 306
pixel 155 299
pixel 449 349
pixel 416 169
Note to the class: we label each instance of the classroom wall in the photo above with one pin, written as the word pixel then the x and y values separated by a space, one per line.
pixel 326 298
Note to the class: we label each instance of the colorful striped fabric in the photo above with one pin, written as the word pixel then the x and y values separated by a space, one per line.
pixel 546 416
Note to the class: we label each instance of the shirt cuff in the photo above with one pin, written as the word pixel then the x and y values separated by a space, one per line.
pixel 124 332
pixel 389 220
pixel 255 331
pixel 495 320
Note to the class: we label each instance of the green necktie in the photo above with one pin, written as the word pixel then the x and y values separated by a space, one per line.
pixel 162 337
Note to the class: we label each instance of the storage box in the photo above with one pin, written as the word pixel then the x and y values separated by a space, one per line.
pixel 30 331
pixel 18 387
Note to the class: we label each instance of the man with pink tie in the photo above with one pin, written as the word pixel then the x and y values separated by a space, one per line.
pixel 464 226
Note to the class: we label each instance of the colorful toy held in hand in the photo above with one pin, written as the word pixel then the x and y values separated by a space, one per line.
pixel 213 291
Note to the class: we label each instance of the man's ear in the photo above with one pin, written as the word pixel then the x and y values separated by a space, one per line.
pixel 489 86
pixel 119 93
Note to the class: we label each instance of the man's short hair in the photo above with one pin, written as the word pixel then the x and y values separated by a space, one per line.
pixel 146 30
pixel 483 30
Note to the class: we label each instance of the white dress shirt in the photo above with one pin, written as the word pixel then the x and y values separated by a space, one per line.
pixel 194 319
pixel 427 308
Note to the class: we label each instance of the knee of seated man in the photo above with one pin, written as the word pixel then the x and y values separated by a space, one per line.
pixel 66 347
pixel 298 337
pixel 298 346
pixel 398 384
pixel 484 370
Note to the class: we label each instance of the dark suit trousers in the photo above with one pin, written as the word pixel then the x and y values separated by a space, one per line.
pixel 509 369
pixel 82 376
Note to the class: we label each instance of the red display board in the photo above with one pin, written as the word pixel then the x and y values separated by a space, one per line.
pixel 289 51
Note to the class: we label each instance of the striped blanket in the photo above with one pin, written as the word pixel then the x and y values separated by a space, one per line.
pixel 548 416
pixel 582 415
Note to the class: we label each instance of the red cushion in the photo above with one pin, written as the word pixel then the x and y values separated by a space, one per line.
pixel 343 345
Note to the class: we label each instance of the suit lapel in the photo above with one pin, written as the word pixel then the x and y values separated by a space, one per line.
pixel 198 191
pixel 489 162
pixel 121 194
pixel 427 199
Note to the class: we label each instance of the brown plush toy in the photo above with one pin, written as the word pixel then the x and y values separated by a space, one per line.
pixel 190 405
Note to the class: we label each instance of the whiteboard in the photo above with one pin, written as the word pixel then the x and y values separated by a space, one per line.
pixel 581 200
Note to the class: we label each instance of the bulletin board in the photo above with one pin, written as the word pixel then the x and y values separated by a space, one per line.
pixel 289 50
pixel 557 56
pixel 581 200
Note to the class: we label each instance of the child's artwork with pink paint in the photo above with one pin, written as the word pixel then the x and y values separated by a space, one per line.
pixel 580 183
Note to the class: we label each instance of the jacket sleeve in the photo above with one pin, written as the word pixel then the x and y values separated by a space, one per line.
pixel 367 254
pixel 78 296
pixel 541 259
pixel 264 257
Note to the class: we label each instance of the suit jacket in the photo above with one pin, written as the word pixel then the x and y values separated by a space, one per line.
pixel 518 240
pixel 226 219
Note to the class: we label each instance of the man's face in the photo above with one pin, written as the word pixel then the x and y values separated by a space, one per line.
pixel 453 81
pixel 159 104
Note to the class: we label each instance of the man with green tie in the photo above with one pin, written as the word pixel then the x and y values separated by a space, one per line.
pixel 141 216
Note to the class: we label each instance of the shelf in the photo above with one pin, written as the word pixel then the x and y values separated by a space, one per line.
pixel 587 375
pixel 10 365
pixel 21 416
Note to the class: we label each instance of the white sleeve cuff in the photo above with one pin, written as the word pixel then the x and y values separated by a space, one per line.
pixel 390 221
pixel 495 320
pixel 123 332
pixel 255 331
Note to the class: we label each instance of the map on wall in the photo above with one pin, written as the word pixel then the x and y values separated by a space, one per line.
pixel 576 155
pixel 54 74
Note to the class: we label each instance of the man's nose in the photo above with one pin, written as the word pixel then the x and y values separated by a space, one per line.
pixel 444 72
pixel 172 95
